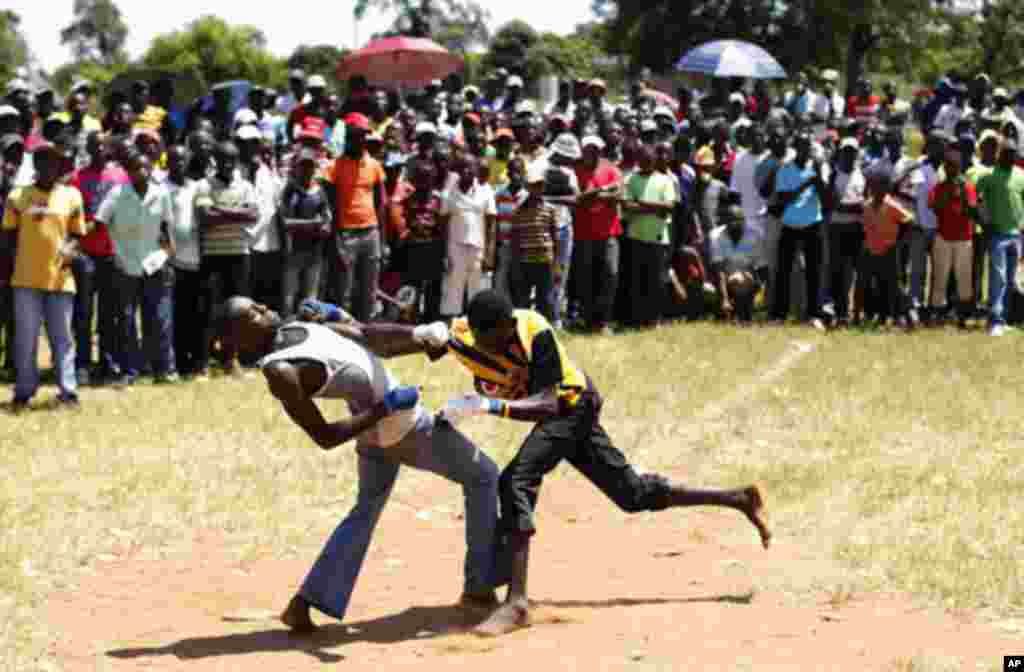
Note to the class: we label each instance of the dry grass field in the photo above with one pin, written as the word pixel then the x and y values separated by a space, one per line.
pixel 898 457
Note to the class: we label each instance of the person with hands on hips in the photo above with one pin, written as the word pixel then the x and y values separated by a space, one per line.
pixel 523 373
pixel 335 357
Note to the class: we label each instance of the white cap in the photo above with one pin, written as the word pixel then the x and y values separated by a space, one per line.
pixel 850 142
pixel 9 111
pixel 81 84
pixel 592 141
pixel 648 125
pixel 248 132
pixel 316 82
pixel 245 116
pixel 1001 93
pixel 568 146
pixel 435 83
pixel 663 111
pixel 18 85
pixel 830 75
pixel 525 107
pixel 737 97
pixel 426 127
pixel 514 80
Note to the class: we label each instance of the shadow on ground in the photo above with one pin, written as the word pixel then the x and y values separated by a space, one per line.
pixel 413 623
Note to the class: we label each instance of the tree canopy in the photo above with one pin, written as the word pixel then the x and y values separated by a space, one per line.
pixel 97 32
pixel 14 51
pixel 212 50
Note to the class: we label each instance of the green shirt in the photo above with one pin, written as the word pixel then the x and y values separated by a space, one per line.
pixel 973 174
pixel 1002 192
pixel 653 188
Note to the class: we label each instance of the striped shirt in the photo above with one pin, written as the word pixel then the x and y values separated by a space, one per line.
pixel 534 228
pixel 226 239
pixel 507 204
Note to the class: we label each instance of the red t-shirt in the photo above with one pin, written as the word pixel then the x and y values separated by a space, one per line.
pixel 954 224
pixel 600 219
pixel 299 117
pixel 864 109
pixel 94 186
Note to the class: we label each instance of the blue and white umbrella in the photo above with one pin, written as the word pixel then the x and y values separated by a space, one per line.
pixel 731 58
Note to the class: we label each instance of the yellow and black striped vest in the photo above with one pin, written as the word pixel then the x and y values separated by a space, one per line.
pixel 507 376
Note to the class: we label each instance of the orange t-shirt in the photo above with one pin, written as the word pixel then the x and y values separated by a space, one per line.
pixel 356 182
pixel 882 224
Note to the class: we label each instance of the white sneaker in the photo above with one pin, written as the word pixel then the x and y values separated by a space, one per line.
pixel 998 330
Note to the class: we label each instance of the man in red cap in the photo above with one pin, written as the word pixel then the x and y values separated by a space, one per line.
pixel 358 181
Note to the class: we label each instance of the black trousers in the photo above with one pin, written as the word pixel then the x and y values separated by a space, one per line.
pixel 579 438
pixel 810 237
pixel 222 277
pixel 648 264
pixel 265 279
pixel 191 347
pixel 595 276
pixel 846 244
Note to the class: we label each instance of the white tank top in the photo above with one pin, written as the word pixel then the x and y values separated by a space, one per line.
pixel 353 373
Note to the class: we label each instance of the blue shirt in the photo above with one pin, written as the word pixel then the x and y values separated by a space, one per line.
pixel 806 210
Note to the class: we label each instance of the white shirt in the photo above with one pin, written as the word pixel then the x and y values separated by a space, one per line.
pixel 183 225
pixel 850 189
pixel 948 116
pixel 468 213
pixel 263 235
pixel 743 181
pixel 921 182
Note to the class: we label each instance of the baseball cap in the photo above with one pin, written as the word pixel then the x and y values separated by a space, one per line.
pixel 598 84
pixel 568 146
pixel 471 89
pixel 514 80
pixel 1001 93
pixel 830 75
pixel 9 111
pixel 18 85
pixel 10 140
pixel 426 127
pixel 316 82
pixel 663 111
pixel 245 116
pixel 648 125
pixel 297 73
pixel 504 133
pixel 849 142
pixel 248 132
pixel 737 97
pixel 592 141
pixel 356 120
pixel 525 107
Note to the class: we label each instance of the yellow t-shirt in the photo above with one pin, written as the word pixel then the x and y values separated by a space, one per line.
pixel 497 171
pixel 43 221
pixel 152 118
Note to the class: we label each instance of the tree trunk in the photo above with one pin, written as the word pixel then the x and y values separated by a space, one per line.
pixel 862 39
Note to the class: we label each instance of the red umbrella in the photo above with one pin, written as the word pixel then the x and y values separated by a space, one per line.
pixel 400 61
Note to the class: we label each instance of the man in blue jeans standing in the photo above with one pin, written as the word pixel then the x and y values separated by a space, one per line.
pixel 302 361
pixel 139 216
pixel 1002 192
pixel 47 219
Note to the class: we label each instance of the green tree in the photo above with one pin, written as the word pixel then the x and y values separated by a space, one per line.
pixel 14 51
pixel 510 47
pixel 320 59
pixel 212 50
pixel 66 75
pixel 998 32
pixel 97 32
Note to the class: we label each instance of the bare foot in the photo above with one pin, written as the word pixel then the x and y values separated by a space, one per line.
pixel 485 601
pixel 509 617
pixel 753 510
pixel 296 616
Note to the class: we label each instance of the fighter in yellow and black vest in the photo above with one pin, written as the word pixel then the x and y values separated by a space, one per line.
pixel 522 372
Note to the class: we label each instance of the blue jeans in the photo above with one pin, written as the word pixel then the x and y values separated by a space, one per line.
pixel 433 446
pixel 1004 252
pixel 94 281
pixel 921 241
pixel 155 294
pixel 33 307
pixel 557 296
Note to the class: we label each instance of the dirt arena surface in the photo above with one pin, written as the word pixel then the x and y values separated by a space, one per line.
pixel 685 590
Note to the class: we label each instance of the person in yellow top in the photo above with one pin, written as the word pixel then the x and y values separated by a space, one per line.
pixel 523 373
pixel 47 219
pixel 147 116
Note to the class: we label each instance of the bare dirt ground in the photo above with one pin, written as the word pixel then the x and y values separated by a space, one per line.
pixel 671 591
